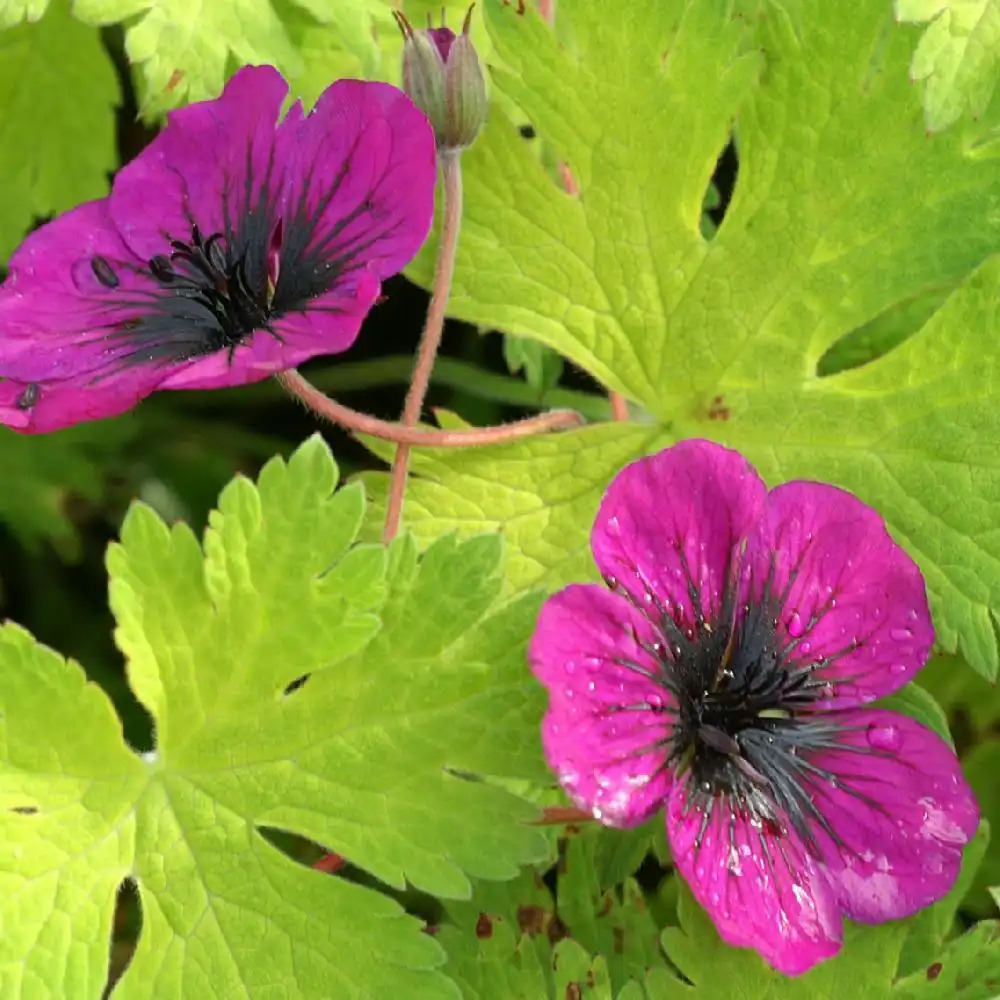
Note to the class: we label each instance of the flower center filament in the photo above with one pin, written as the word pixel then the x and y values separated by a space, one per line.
pixel 745 724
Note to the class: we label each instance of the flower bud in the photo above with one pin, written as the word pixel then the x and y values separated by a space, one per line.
pixel 442 75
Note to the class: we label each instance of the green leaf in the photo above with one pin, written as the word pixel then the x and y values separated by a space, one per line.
pixel 967 697
pixel 499 941
pixel 869 965
pixel 881 334
pixel 930 928
pixel 39 65
pixel 956 58
pixel 541 365
pixel 618 853
pixel 265 658
pixel 617 926
pixel 968 969
pixel 542 493
pixel 337 40
pixel 722 339
pixel 42 473
pixel 186 50
pixel 579 975
pixel 981 766
pixel 67 830
pixel 864 968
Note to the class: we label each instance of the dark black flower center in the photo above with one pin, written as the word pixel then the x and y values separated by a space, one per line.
pixel 213 292
pixel 745 726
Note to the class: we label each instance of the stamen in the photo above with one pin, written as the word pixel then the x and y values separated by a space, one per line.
pixel 29 397
pixel 104 272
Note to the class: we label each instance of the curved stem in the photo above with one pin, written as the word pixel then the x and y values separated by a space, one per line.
pixel 430 340
pixel 453 373
pixel 361 423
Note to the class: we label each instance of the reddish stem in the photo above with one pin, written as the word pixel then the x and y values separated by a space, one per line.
pixel 619 408
pixel 430 340
pixel 561 815
pixel 329 409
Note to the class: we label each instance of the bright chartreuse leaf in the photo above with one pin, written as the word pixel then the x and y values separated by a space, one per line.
pixel 40 63
pixel 335 41
pixel 186 48
pixel 299 682
pixel 957 57
pixel 722 338
pixel 542 493
pixel 68 784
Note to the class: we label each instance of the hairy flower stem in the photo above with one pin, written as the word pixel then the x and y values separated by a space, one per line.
pixel 361 423
pixel 430 340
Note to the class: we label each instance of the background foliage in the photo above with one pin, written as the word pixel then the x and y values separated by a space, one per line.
pixel 782 235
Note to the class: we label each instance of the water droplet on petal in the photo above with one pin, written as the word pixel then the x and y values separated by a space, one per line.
pixel 899 668
pixel 796 626
pixel 884 737
pixel 900 634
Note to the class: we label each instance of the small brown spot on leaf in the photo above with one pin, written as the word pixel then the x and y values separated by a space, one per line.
pixel 484 926
pixel 718 410
pixel 557 930
pixel 531 919
pixel 574 991
pixel 618 937
pixel 606 905
pixel 934 970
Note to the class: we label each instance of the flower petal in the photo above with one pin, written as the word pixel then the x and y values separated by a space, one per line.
pixel 605 730
pixel 851 598
pixel 39 408
pixel 762 890
pixel 210 166
pixel 900 808
pixel 669 524
pixel 72 284
pixel 360 170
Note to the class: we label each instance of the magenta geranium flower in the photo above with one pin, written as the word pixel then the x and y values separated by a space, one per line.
pixel 237 245
pixel 724 674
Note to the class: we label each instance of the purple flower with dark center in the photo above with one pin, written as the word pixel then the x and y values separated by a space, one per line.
pixel 725 673
pixel 235 246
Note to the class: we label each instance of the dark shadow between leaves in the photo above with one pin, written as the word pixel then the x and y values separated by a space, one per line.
pixel 125 932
